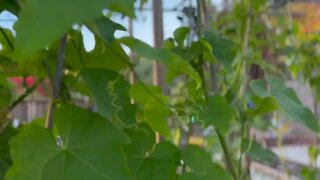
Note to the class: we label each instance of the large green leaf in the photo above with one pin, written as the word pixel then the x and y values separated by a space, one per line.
pixel 52 18
pixel 104 55
pixel 259 88
pixel 180 35
pixel 201 165
pixel 263 105
pixel 142 92
pixel 214 171
pixel 196 158
pixel 223 49
pixel 87 147
pixel 111 93
pixel 10 5
pixel 218 113
pixel 175 64
pixel 161 164
pixel 288 101
pixel 291 104
pixel 105 28
pixel 107 56
pixel 156 113
pixel 142 141
pixel 5 158
pixel 257 153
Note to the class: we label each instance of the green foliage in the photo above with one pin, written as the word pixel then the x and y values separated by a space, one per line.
pixel 161 164
pixel 206 87
pixel 104 55
pixel 223 49
pixel 10 5
pixel 180 35
pixel 85 142
pixel 5 158
pixel 213 172
pixel 51 19
pixel 196 159
pixel 156 113
pixel 105 28
pixel 287 100
pixel 257 153
pixel 5 94
pixel 175 64
pixel 141 92
pixel 110 92
pixel 218 113
pixel 263 105
pixel 201 165
pixel 142 141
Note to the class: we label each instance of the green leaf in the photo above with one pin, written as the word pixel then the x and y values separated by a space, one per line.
pixel 263 105
pixel 214 171
pixel 197 48
pixel 259 88
pixel 142 141
pixel 257 153
pixel 110 91
pixel 288 101
pixel 142 92
pixel 223 49
pixel 156 113
pixel 109 56
pixel 5 158
pixel 105 28
pixel 5 94
pixel 196 158
pixel 180 35
pixel 10 5
pixel 291 104
pixel 218 113
pixel 90 147
pixel 52 18
pixel 309 173
pixel 161 164
pixel 258 4
pixel 175 64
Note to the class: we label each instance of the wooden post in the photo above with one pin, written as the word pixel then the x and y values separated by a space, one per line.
pixel 157 70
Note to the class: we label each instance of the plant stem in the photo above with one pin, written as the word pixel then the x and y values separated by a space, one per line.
pixel 199 66
pixel 243 133
pixel 246 38
pixel 16 102
pixel 6 38
pixel 227 155
pixel 57 82
pixel 200 70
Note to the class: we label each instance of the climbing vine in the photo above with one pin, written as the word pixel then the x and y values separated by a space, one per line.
pixel 215 83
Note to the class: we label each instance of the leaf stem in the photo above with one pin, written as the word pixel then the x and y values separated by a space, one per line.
pixel 243 134
pixel 6 38
pixel 16 102
pixel 243 73
pixel 57 82
pixel 227 155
